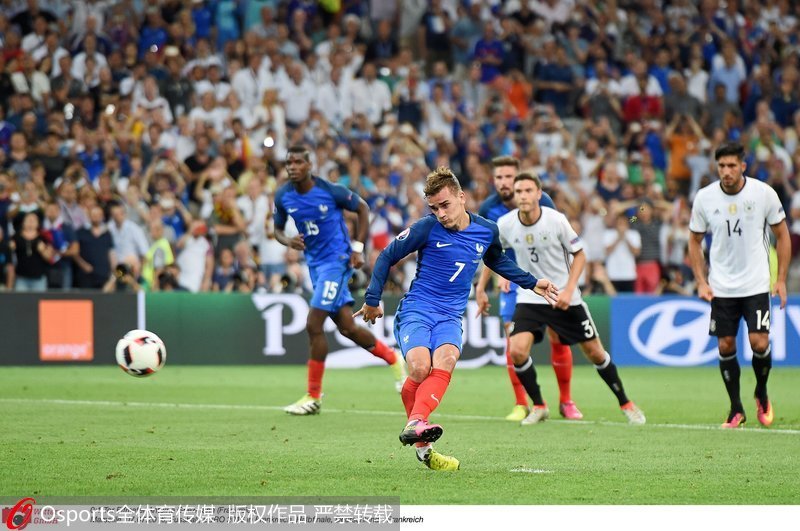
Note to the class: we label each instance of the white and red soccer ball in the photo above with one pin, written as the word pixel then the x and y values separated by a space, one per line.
pixel 141 353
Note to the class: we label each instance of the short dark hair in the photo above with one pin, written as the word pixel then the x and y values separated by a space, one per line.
pixel 299 150
pixel 730 148
pixel 525 176
pixel 440 178
pixel 505 160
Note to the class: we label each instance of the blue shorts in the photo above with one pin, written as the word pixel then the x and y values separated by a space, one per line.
pixel 330 281
pixel 418 329
pixel 508 301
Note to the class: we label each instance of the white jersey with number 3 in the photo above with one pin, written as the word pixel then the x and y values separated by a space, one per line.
pixel 738 223
pixel 544 249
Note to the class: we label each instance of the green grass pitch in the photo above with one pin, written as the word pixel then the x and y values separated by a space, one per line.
pixel 220 431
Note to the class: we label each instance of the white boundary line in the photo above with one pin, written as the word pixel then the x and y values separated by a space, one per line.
pixel 454 416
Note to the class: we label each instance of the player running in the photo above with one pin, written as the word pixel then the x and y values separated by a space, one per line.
pixel 736 210
pixel 450 244
pixel 499 203
pixel 317 206
pixel 542 240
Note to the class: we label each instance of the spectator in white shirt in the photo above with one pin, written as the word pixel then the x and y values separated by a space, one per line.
pixel 629 86
pixel 196 258
pixel 254 206
pixel 209 114
pixel 271 133
pixel 151 100
pixel 31 81
pixel 439 114
pixel 245 82
pixel 89 50
pixel 298 95
pixel 35 39
pixel 52 50
pixel 623 245
pixel 334 99
pixel 130 241
pixel 371 96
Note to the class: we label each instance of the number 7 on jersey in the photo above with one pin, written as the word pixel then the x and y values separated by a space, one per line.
pixel 460 266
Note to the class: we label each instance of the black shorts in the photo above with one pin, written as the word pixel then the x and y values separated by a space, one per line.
pixel 574 325
pixel 726 312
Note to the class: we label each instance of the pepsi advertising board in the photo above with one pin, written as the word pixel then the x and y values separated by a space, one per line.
pixel 673 331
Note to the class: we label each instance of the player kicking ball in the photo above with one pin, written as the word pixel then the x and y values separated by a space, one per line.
pixel 450 244
pixel 317 206
pixel 542 239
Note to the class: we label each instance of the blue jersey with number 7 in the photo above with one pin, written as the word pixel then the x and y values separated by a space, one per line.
pixel 446 262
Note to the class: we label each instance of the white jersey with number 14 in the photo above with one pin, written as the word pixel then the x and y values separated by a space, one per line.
pixel 738 223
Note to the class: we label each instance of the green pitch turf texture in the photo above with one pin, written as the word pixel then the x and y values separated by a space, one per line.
pixel 220 431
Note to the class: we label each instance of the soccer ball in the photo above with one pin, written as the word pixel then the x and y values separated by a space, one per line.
pixel 141 353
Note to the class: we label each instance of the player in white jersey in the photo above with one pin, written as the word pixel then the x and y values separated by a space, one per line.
pixel 736 211
pixel 543 240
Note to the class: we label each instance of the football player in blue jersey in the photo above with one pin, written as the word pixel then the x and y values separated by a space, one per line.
pixel 317 208
pixel 501 202
pixel 450 244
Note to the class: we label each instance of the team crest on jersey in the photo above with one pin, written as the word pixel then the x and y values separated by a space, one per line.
pixel 749 206
pixel 403 235
pixel 529 238
pixel 479 248
pixel 732 208
pixel 323 209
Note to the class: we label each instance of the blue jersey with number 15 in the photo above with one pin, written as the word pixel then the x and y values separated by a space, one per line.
pixel 446 262
pixel 319 218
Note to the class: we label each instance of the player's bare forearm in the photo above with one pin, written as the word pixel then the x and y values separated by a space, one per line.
pixel 699 266
pixel 784 249
pixel 362 230
pixel 483 279
pixel 575 272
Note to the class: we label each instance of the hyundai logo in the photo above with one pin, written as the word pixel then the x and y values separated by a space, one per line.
pixel 659 334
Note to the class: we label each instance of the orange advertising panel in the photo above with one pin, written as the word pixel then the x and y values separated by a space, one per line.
pixel 66 331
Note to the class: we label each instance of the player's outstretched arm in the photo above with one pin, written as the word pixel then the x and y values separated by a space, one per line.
pixel 407 242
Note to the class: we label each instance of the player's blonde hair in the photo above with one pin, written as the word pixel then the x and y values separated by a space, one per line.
pixel 440 178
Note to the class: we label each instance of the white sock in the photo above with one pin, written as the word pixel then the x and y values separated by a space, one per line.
pixel 422 451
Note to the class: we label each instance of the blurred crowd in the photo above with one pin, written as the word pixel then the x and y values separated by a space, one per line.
pixel 141 141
